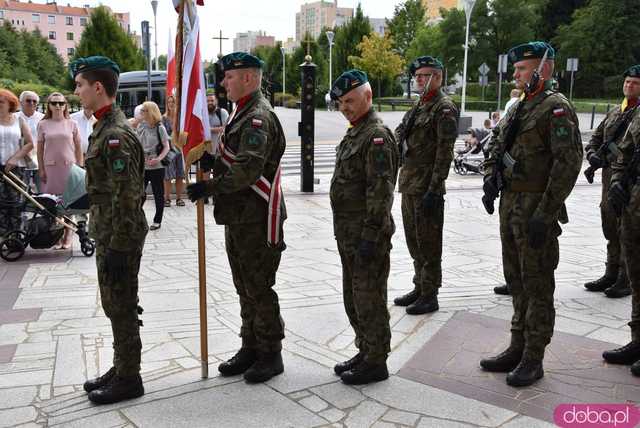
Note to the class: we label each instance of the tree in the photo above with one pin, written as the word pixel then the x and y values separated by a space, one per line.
pixel 408 19
pixel 103 36
pixel 553 14
pixel 378 59
pixel 348 37
pixel 162 62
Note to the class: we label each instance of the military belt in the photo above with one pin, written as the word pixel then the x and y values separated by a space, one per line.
pixel 100 199
pixel 526 186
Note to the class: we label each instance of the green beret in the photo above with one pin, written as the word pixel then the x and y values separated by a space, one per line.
pixel 531 50
pixel 347 81
pixel 425 61
pixel 633 71
pixel 237 60
pixel 90 63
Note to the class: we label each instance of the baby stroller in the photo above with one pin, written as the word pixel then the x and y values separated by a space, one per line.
pixel 472 158
pixel 43 222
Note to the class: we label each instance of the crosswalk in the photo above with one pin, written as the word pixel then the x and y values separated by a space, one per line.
pixel 324 160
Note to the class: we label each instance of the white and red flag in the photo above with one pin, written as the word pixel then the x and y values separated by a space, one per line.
pixel 171 66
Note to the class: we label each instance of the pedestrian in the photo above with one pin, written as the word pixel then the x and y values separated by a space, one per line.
pixel 538 162
pixel 327 100
pixel 29 112
pixel 495 118
pixel 361 198
pixel 601 152
pixel 85 120
pixel 427 133
pixel 155 142
pixel 624 199
pixel 115 175
pixel 253 213
pixel 58 148
pixel 15 144
pixel 514 97
pixel 175 169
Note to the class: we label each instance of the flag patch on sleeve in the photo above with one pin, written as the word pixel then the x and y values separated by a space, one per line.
pixel 256 123
pixel 559 112
pixel 378 140
pixel 114 144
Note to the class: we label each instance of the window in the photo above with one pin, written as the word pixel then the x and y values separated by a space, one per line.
pixel 69 36
pixel 69 20
pixel 1 14
pixel 35 17
pixel 52 35
pixel 51 19
pixel 83 22
pixel 71 51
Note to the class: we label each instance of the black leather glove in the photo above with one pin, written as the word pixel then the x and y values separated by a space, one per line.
pixel 116 264
pixel 618 198
pixel 536 233
pixel 197 190
pixel 366 249
pixel 490 195
pixel 595 161
pixel 206 162
pixel 431 202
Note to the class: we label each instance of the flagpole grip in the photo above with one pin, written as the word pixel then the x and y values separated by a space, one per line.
pixel 202 280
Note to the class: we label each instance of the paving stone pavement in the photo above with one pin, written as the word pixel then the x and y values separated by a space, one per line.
pixel 67 339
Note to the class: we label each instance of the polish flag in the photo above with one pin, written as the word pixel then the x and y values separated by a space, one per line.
pixel 171 66
pixel 194 116
pixel 176 3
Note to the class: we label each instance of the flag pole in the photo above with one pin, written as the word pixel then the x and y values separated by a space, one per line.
pixel 202 270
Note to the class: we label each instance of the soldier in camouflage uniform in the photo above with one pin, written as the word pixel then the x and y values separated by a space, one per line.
pixel 361 198
pixel 115 173
pixel 601 152
pixel 250 158
pixel 534 163
pixel 426 135
pixel 624 198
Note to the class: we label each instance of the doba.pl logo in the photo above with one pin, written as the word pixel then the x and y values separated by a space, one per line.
pixel 601 415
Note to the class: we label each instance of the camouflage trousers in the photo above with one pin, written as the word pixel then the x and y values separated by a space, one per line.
pixel 120 304
pixel 424 240
pixel 631 246
pixel 530 272
pixel 253 266
pixel 610 224
pixel 364 290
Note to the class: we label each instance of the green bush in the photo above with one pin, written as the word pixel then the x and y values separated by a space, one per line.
pixel 490 91
pixel 289 100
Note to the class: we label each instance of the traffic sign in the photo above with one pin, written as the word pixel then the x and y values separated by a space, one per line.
pixel 502 63
pixel 572 64
pixel 483 69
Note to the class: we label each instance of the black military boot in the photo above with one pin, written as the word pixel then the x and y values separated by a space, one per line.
pixel 527 373
pixel 505 361
pixel 407 299
pixel 607 280
pixel 364 373
pixel 267 366
pixel 239 363
pixel 628 354
pixel 621 288
pixel 504 290
pixel 100 381
pixel 635 368
pixel 119 389
pixel 349 364
pixel 424 305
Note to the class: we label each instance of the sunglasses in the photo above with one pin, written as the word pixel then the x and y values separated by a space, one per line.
pixel 57 103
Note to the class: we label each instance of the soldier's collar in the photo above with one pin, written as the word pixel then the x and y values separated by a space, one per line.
pixel 357 126
pixel 430 96
pixel 629 103
pixel 102 111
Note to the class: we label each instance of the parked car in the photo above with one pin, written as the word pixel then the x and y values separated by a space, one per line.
pixel 132 90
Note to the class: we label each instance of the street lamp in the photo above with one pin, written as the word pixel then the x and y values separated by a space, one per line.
pixel 468 7
pixel 154 5
pixel 330 35
pixel 284 81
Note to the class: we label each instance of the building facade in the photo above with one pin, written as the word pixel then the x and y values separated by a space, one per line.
pixel 61 25
pixel 313 17
pixel 248 41
pixel 378 25
pixel 432 7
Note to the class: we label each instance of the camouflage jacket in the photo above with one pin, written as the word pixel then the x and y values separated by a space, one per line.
pixel 365 175
pixel 430 142
pixel 257 139
pixel 547 151
pixel 629 145
pixel 115 178
pixel 604 132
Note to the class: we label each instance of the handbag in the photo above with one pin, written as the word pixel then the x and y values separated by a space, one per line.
pixel 171 154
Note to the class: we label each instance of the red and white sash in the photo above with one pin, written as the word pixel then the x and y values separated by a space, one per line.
pixel 270 192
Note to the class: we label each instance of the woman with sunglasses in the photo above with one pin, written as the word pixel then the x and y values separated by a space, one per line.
pixel 58 148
